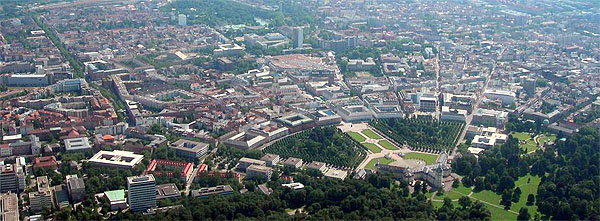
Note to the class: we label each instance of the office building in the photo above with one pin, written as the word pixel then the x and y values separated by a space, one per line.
pixel 209 191
pixel 116 158
pixel 190 149
pixel 182 20
pixel 42 199
pixel 10 207
pixel 254 171
pixel 76 188
pixel 141 192
pixel 245 162
pixel 77 144
pixel 9 181
pixel 270 159
pixel 298 37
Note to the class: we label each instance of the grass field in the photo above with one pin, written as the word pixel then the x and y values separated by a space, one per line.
pixel 526 189
pixel 428 158
pixel 371 134
pixel 356 136
pixel 450 194
pixel 372 147
pixel 529 145
pixel 382 160
pixel 546 138
pixel 387 145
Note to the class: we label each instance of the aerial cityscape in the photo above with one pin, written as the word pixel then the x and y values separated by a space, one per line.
pixel 300 109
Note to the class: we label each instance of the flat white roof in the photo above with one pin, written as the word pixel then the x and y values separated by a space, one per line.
pixel 116 158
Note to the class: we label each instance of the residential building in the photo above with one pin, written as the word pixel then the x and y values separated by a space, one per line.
pixel 141 192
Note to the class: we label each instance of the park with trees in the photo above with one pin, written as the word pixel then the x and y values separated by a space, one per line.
pixel 421 134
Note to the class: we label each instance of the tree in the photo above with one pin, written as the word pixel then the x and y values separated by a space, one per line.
pixel 464 201
pixel 530 199
pixel 516 195
pixel 523 214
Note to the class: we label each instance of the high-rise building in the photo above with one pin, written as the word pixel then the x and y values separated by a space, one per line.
pixel 42 199
pixel 76 188
pixel 8 179
pixel 182 20
pixel 142 192
pixel 529 86
pixel 298 37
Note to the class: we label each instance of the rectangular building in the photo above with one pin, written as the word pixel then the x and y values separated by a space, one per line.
pixel 254 171
pixel 190 149
pixel 141 192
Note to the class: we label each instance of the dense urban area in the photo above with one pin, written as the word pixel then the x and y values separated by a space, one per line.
pixel 299 109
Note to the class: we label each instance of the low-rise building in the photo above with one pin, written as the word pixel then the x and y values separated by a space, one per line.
pixel 318 166
pixel 190 149
pixel 254 171
pixel 245 162
pixel 167 191
pixel 77 144
pixel 453 114
pixel 336 174
pixel 10 207
pixel 293 162
pixel 116 158
pixel 270 159
pixel 116 199
pixel 210 191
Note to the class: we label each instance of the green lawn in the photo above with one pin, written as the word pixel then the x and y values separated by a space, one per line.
pixel 501 214
pixel 526 189
pixel 546 138
pixel 382 160
pixel 487 196
pixel 371 134
pixel 428 158
pixel 529 145
pixel 462 189
pixel 450 194
pixel 356 136
pixel 372 147
pixel 387 145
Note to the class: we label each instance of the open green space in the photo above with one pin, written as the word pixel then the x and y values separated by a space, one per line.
pixel 488 196
pixel 428 158
pixel 382 160
pixel 500 213
pixel 526 189
pixel 423 133
pixel 372 147
pixel 529 144
pixel 462 189
pixel 387 145
pixel 546 138
pixel 450 194
pixel 356 136
pixel 371 134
